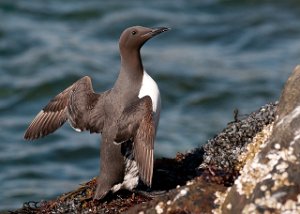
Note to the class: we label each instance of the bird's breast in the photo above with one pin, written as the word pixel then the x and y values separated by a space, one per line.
pixel 150 88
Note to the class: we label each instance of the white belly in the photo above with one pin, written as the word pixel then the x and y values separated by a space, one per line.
pixel 131 178
pixel 150 88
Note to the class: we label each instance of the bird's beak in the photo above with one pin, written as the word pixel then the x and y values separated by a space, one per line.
pixel 155 31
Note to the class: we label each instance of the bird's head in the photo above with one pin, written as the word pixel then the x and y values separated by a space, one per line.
pixel 133 38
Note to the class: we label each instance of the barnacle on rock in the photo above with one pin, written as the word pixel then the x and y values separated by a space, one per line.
pixel 223 151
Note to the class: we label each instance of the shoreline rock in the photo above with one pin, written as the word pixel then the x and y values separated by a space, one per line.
pixel 196 186
pixel 270 182
pixel 211 178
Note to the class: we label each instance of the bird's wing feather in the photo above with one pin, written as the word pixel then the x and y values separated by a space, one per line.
pixel 74 104
pixel 143 149
pixel 137 123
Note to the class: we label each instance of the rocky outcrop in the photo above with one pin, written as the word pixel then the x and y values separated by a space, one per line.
pixel 252 166
pixel 270 182
pixel 188 187
pixel 223 151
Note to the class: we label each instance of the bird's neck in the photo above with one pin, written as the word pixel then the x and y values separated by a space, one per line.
pixel 131 69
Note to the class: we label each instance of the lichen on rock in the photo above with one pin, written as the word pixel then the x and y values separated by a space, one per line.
pixel 224 151
pixel 263 154
pixel 270 182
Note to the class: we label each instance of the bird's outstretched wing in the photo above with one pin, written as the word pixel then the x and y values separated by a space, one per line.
pixel 73 104
pixel 137 124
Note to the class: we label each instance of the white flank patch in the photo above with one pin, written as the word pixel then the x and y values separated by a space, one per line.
pixel 150 88
pixel 76 129
pixel 116 187
pixel 131 178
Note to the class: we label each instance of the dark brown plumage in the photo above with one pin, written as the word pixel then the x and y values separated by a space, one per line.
pixel 125 115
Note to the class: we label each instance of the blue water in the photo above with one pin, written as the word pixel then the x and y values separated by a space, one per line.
pixel 220 55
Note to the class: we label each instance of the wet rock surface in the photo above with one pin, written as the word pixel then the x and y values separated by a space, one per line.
pixel 222 152
pixel 189 188
pixel 270 182
pixel 197 196
pixel 253 165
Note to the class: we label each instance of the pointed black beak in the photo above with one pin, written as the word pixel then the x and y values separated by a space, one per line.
pixel 159 30
pixel 155 32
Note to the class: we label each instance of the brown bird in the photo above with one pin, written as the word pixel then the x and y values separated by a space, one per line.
pixel 126 116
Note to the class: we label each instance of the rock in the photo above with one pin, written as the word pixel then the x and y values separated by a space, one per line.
pixel 197 187
pixel 197 181
pixel 271 181
pixel 196 196
pixel 222 152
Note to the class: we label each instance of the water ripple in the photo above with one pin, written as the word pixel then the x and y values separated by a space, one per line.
pixel 219 55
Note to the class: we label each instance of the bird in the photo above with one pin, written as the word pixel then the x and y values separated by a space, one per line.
pixel 126 116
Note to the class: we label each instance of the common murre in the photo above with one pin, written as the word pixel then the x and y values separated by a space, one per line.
pixel 127 117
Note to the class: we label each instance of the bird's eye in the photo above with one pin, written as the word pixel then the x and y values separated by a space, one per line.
pixel 133 32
